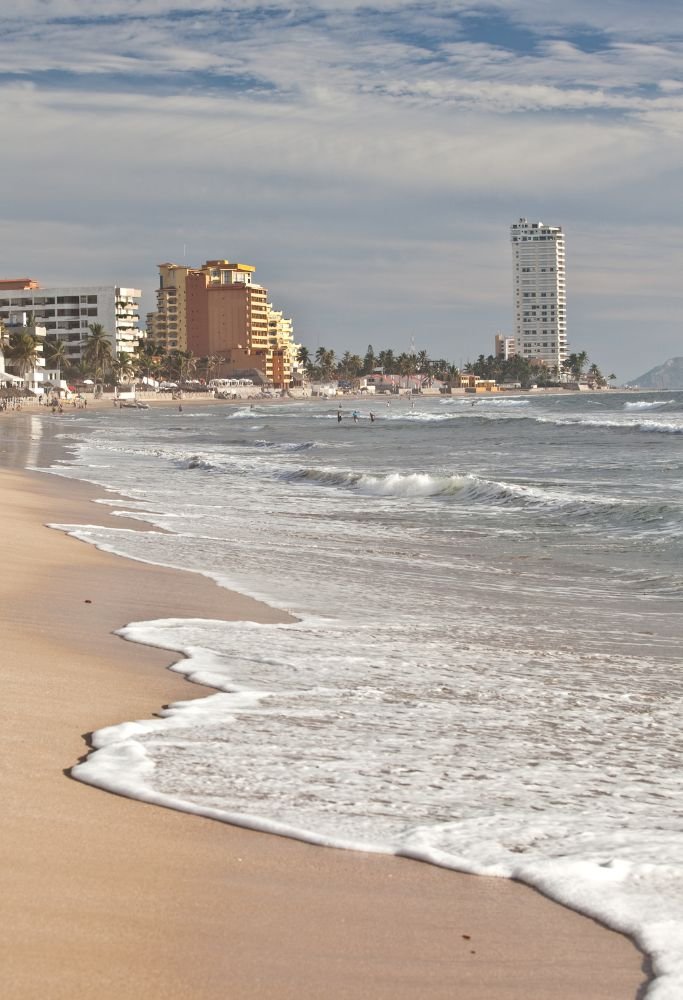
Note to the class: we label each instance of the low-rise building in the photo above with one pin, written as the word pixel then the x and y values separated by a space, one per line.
pixel 472 383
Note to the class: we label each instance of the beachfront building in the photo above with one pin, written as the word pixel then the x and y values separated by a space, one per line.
pixel 67 312
pixel 540 297
pixel 167 327
pixel 283 353
pixel 472 383
pixel 228 317
pixel 504 347
pixel 22 357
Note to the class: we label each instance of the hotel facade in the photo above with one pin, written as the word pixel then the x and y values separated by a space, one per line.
pixel 68 312
pixel 219 311
pixel 167 327
pixel 540 296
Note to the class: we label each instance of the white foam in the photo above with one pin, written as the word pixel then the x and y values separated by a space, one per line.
pixel 643 404
pixel 281 752
pixel 486 674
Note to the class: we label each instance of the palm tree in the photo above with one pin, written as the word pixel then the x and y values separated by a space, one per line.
pixel 386 361
pixel 596 376
pixel 214 364
pixel 326 362
pixel 123 368
pixel 23 352
pixel 98 351
pixel 304 357
pixel 148 355
pixel 575 363
pixel 55 354
pixel 188 365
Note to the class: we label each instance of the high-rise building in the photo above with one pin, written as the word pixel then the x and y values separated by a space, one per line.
pixel 68 312
pixel 167 326
pixel 540 297
pixel 228 316
pixel 284 353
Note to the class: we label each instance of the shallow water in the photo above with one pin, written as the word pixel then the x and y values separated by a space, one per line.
pixel 486 670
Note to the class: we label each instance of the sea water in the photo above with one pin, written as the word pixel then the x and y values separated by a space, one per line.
pixel 485 672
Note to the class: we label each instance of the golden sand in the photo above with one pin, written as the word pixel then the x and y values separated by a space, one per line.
pixel 108 897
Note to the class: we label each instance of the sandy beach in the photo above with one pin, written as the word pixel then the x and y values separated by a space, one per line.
pixel 108 896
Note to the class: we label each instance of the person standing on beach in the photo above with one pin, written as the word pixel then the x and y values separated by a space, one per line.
pixel 355 416
pixel 372 417
pixel 339 415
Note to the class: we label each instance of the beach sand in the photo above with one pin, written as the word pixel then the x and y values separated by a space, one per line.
pixel 106 896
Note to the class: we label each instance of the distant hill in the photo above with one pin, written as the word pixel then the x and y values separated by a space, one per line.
pixel 666 376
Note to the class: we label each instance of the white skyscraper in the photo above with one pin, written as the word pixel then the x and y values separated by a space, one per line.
pixel 540 292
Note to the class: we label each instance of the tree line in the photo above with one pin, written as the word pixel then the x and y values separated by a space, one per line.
pixel 100 362
pixel 528 372
pixel 325 365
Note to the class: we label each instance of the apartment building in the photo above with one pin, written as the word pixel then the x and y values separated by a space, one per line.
pixel 540 297
pixel 228 316
pixel 68 312
pixel 504 347
pixel 167 327
pixel 283 352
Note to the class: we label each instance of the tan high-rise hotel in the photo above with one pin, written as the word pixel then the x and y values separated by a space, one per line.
pixel 217 310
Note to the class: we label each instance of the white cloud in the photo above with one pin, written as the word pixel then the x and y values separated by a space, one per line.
pixel 369 166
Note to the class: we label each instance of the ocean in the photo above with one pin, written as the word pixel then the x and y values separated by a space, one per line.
pixel 485 672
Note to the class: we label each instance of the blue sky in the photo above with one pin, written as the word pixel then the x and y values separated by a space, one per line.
pixel 367 158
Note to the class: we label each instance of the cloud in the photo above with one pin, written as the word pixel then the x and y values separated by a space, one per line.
pixel 368 159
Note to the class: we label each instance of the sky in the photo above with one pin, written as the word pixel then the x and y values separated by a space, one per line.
pixel 367 158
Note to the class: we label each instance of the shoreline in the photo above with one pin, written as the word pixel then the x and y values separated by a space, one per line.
pixel 124 897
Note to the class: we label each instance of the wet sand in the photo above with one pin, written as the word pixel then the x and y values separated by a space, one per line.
pixel 108 896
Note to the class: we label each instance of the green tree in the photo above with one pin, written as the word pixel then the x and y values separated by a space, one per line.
pixel 387 362
pixel 369 361
pixel 596 376
pixel 350 365
pixel 326 362
pixel 406 364
pixel 575 363
pixel 55 354
pixel 123 368
pixel 98 352
pixel 22 351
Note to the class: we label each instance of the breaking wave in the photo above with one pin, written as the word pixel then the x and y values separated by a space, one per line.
pixel 471 489
pixel 642 404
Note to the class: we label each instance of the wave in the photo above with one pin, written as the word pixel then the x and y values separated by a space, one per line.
pixel 284 445
pixel 471 489
pixel 242 414
pixel 196 462
pixel 643 404
pixel 495 402
pixel 645 426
